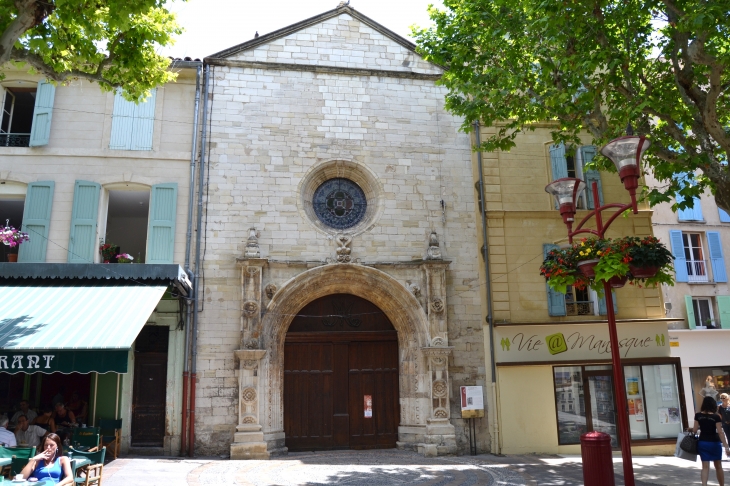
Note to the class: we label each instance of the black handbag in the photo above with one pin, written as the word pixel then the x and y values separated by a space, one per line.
pixel 689 443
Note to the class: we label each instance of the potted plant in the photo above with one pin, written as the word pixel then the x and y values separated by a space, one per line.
pixel 560 271
pixel 587 254
pixel 108 252
pixel 613 266
pixel 124 258
pixel 13 238
pixel 648 256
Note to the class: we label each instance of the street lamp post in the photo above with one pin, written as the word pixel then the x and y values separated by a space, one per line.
pixel 625 153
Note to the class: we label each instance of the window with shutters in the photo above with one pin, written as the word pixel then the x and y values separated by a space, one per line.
pixel 140 221
pixel 694 256
pixel 579 302
pixel 697 256
pixel 133 123
pixel 571 162
pixel 26 113
pixel 704 317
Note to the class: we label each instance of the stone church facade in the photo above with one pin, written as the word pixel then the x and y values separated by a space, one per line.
pixel 334 170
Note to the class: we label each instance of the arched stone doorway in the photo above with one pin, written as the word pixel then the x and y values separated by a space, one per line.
pixel 422 343
pixel 341 377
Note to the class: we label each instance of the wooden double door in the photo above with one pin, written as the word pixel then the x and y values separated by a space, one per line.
pixel 341 377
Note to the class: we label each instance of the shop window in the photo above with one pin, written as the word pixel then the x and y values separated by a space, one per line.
pixel 652 393
pixel 26 114
pixel 709 382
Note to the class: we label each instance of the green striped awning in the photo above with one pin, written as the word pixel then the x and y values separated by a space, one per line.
pixel 72 328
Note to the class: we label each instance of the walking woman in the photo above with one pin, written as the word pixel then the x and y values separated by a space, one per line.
pixel 708 422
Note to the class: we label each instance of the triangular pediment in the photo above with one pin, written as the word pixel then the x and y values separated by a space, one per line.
pixel 341 38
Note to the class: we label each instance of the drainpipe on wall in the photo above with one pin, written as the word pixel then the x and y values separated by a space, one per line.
pixel 492 417
pixel 198 265
pixel 188 242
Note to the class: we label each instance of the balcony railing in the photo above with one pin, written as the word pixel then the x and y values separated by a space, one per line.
pixel 14 139
pixel 579 308
pixel 697 271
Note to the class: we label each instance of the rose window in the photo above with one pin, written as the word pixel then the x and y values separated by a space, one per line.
pixel 339 203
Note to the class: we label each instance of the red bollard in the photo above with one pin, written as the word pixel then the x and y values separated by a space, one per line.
pixel 595 449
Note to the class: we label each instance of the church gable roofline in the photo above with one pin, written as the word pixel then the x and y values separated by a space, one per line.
pixel 277 34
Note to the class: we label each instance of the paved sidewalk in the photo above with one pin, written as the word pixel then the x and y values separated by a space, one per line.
pixel 389 467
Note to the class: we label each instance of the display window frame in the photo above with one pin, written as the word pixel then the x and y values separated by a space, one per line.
pixel 675 362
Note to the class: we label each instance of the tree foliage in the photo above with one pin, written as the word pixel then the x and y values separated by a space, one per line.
pixel 110 42
pixel 596 65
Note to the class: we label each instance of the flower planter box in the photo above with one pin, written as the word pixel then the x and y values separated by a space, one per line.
pixel 12 257
pixel 618 282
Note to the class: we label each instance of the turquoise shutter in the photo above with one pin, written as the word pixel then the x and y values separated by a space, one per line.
pixel 690 312
pixel 122 122
pixel 716 256
pixel 602 311
pixel 724 217
pixel 558 161
pixel 36 221
pixel 587 153
pixel 723 303
pixel 555 300
pixel 82 242
pixel 161 231
pixel 680 262
pixel 144 122
pixel 690 214
pixel 40 131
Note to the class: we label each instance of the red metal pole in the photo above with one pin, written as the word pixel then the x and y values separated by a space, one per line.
pixel 191 438
pixel 184 432
pixel 618 386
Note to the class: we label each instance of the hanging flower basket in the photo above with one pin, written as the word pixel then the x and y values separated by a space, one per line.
pixel 643 272
pixel 588 267
pixel 617 282
pixel 12 237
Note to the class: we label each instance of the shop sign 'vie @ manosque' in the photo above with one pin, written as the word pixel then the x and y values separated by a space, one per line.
pixel 567 342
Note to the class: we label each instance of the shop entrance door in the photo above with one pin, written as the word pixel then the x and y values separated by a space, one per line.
pixel 150 377
pixel 601 416
pixel 341 377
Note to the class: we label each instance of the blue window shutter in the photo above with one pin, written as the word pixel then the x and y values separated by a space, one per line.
pixel 144 122
pixel 122 122
pixel 602 311
pixel 558 161
pixel 83 242
pixel 587 153
pixel 40 131
pixel 36 221
pixel 161 230
pixel 724 217
pixel 690 312
pixel 697 210
pixel 555 300
pixel 680 262
pixel 723 303
pixel 716 256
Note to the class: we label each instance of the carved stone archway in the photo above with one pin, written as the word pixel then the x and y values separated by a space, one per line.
pixel 424 416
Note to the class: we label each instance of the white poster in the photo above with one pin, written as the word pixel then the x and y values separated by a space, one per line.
pixel 472 398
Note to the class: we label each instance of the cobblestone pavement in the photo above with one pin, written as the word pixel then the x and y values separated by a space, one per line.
pixel 389 467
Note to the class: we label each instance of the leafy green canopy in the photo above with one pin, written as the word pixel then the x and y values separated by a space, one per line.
pixel 110 42
pixel 596 65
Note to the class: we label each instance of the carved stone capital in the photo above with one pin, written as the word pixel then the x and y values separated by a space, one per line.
pixel 244 355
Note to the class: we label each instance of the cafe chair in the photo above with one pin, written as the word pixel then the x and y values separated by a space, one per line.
pixel 6 454
pixel 21 456
pixel 91 468
pixel 111 435
pixel 86 439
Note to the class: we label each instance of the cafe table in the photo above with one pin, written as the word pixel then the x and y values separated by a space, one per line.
pixel 5 461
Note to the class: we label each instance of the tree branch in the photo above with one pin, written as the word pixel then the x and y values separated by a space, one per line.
pixel 37 62
pixel 25 20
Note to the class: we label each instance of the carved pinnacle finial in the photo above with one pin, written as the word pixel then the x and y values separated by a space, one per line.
pixel 252 245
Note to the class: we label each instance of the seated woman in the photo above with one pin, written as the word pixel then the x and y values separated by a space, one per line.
pixel 50 465
pixel 78 407
pixel 45 420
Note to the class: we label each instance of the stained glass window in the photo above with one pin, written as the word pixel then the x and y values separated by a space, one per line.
pixel 339 203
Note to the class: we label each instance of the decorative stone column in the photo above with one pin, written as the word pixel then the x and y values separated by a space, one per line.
pixel 440 433
pixel 248 441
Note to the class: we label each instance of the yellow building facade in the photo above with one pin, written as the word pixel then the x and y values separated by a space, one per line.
pixel 551 361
